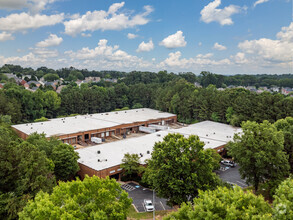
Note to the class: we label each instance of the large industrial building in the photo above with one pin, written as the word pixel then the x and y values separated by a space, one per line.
pixel 82 128
pixel 105 159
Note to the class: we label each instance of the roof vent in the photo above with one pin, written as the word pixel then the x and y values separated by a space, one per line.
pixel 141 155
pixel 63 121
pixel 207 135
pixel 148 152
pixel 125 112
pixel 214 132
pixel 26 124
pixel 41 123
pixel 31 127
pixel 116 112
pixel 159 135
pixel 136 111
pixel 107 114
pixel 208 142
pixel 98 152
pixel 75 117
pixel 99 160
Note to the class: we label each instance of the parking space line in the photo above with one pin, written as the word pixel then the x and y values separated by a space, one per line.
pixel 241 183
pixel 135 208
pixel 162 205
pixel 143 207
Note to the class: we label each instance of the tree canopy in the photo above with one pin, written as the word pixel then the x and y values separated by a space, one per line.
pixel 283 200
pixel 92 198
pixel 179 167
pixel 259 150
pixel 224 203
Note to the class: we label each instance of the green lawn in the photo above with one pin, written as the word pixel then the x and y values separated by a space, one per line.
pixel 144 215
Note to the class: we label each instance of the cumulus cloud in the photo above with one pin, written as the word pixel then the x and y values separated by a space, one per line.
pixel 270 51
pixel 24 21
pixel 52 40
pixel 143 47
pixel 259 2
pixel 201 60
pixel 34 6
pixel 107 20
pixel 239 58
pixel 131 36
pixel 107 57
pixel 174 40
pixel 4 36
pixel 44 52
pixel 86 35
pixel 211 13
pixel 218 46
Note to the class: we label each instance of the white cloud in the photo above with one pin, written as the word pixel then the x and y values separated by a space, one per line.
pixel 201 60
pixel 86 35
pixel 174 40
pixel 106 20
pixel 271 52
pixel 211 13
pixel 107 57
pixel 259 2
pixel 218 46
pixel 145 47
pixel 24 21
pixel 131 36
pixel 4 36
pixel 34 6
pixel 52 40
pixel 44 52
pixel 239 58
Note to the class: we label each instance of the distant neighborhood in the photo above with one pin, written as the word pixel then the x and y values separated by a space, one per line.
pixel 58 85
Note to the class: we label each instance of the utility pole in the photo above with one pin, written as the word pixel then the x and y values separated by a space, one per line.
pixel 154 211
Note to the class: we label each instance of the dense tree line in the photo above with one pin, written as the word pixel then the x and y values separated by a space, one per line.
pixel 178 96
pixel 26 167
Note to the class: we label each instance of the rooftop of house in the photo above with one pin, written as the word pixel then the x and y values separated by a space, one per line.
pixel 81 123
pixel 213 135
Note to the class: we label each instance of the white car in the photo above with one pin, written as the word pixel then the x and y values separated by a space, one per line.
pixel 228 163
pixel 148 205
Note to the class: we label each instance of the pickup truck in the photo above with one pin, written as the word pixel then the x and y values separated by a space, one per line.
pixel 148 205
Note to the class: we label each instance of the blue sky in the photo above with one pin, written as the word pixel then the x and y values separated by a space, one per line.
pixel 221 36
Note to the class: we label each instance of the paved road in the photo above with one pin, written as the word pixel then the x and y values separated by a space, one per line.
pixel 232 175
pixel 139 193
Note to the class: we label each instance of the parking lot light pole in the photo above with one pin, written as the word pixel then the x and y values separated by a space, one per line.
pixel 154 204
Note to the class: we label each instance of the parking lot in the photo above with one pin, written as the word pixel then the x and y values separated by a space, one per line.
pixel 139 194
pixel 231 175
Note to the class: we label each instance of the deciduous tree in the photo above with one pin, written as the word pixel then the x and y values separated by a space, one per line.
pixel 179 167
pixel 224 203
pixel 92 198
pixel 259 150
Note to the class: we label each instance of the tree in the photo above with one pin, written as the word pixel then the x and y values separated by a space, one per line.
pixel 92 198
pixel 24 171
pixel 65 161
pixel 224 203
pixel 216 158
pixel 286 126
pixel 283 203
pixel 50 77
pixel 179 167
pixel 131 165
pixel 41 119
pixel 259 150
pixel 63 155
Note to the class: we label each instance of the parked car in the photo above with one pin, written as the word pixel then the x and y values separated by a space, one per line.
pixel 148 205
pixel 228 163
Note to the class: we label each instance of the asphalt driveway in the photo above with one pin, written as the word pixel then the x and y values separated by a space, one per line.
pixel 139 194
pixel 232 175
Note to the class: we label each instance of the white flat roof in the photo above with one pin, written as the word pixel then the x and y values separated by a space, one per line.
pixel 81 123
pixel 114 152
